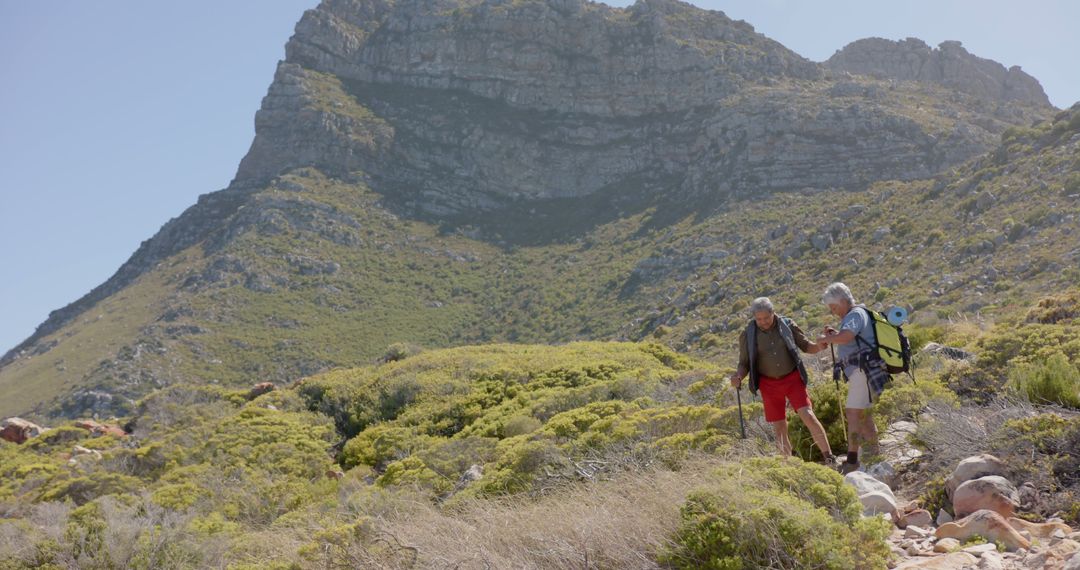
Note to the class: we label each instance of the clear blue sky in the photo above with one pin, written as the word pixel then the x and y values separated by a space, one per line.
pixel 115 115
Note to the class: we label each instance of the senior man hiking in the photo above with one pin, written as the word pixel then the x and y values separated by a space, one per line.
pixel 769 353
pixel 855 337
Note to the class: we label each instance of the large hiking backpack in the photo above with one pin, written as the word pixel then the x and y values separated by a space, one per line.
pixel 892 345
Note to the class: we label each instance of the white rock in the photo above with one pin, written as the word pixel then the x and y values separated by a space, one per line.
pixel 878 503
pixel 1055 556
pixel 915 532
pixel 953 561
pixel 991 561
pixel 865 483
pixel 946 545
pixel 1073 563
pixel 875 496
pixel 979 549
pixel 883 472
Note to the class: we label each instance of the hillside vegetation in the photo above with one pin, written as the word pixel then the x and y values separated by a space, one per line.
pixel 468 456
pixel 314 274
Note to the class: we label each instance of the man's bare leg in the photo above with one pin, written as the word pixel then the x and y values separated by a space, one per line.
pixel 817 431
pixel 783 443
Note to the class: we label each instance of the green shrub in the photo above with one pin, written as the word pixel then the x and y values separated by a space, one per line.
pixel 83 488
pixel 904 400
pixel 1055 309
pixel 412 471
pixel 934 497
pixel 520 463
pixel 1055 381
pixel 777 514
pixel 399 351
pixel 520 425
pixel 1043 433
pixel 920 335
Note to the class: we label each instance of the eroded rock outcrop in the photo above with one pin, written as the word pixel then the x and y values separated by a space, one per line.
pixel 452 108
pixel 949 65
pixel 986 524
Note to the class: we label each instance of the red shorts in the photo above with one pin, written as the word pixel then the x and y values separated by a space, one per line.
pixel 776 392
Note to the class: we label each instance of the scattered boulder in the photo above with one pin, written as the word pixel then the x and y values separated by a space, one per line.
pixel 991 560
pixel 953 561
pixel 918 517
pixel 991 492
pixel 1072 563
pixel 943 517
pixel 18 430
pixel 987 524
pixel 79 452
pixel 916 532
pixel 821 242
pixel 973 468
pixel 865 483
pixel 884 472
pixel 1039 530
pixel 980 549
pixel 878 503
pixel 1057 556
pixel 946 545
pixel 875 496
pixel 260 389
pixel 474 473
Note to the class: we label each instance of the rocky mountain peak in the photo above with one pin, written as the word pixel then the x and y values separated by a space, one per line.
pixel 454 108
pixel 949 65
pixel 567 56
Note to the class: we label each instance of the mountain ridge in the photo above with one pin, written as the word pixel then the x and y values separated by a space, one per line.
pixel 490 172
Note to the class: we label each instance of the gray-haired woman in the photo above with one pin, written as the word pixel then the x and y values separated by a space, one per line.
pixel 855 324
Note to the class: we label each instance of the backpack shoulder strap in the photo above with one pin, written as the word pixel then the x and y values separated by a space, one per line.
pixel 870 323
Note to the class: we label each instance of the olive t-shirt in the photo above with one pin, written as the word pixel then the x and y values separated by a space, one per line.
pixel 772 359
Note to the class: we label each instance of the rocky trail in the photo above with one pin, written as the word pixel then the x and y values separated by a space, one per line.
pixel 987 533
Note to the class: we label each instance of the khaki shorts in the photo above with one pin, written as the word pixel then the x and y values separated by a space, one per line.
pixel 858 389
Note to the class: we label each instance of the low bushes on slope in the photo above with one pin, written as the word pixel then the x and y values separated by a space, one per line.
pixel 776 513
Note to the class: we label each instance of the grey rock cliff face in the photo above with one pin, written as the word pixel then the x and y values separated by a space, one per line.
pixel 949 65
pixel 568 56
pixel 473 106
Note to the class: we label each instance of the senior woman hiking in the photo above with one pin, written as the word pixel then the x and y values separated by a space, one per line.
pixel 854 337
pixel 769 353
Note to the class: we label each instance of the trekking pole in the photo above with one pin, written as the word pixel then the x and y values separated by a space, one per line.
pixel 742 422
pixel 836 379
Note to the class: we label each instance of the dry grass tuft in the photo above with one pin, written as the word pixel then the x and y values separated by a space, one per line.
pixel 623 522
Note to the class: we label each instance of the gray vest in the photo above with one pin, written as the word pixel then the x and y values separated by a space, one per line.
pixel 784 327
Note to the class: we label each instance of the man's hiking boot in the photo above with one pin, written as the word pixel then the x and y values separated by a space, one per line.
pixel 846 467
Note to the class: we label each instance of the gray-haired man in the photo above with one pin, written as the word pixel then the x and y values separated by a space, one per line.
pixel 769 353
